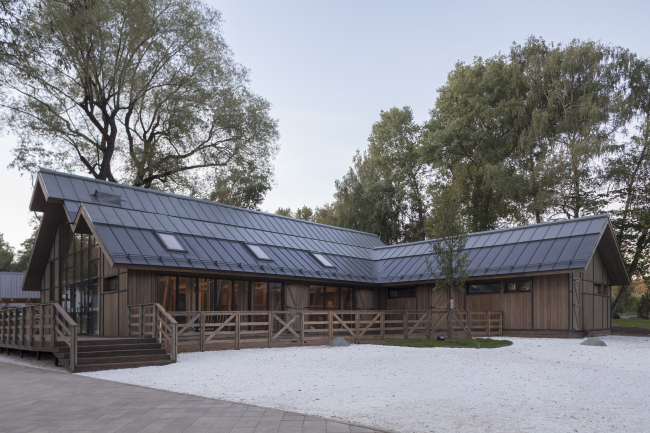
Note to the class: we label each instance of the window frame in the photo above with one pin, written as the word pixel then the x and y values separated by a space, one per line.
pixel 162 241
pixel 251 249
pixel 516 281
pixel 401 289
pixel 477 283
pixel 322 260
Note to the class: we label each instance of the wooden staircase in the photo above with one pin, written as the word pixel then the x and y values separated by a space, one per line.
pixel 113 353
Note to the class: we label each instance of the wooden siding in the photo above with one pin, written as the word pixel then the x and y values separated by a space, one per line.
pixel 551 302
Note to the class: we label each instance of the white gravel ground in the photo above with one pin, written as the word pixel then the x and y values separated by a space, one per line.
pixel 540 385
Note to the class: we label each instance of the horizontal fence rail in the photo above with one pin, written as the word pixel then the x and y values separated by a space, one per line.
pixel 151 320
pixel 231 328
pixel 39 327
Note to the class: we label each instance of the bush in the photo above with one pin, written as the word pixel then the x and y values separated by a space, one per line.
pixel 616 316
pixel 643 309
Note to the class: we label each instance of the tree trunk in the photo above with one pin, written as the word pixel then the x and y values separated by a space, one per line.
pixel 618 300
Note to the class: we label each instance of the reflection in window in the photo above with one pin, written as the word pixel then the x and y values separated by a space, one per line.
pixel 223 295
pixel 483 288
pixel 331 298
pixel 346 298
pixel 240 297
pixel 518 285
pixel 206 289
pixel 275 296
pixel 260 296
pixel 401 293
pixel 316 301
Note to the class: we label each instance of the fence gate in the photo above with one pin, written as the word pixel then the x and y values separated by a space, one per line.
pixel 286 325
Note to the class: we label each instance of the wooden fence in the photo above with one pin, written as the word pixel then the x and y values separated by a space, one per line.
pixel 206 328
pixel 39 327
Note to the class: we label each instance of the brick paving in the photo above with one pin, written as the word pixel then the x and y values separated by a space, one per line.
pixel 35 400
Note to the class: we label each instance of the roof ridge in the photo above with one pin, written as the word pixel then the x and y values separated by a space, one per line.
pixel 214 203
pixel 546 223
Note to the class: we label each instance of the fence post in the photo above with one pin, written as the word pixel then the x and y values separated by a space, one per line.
pixel 40 325
pixel 406 325
pixel 270 327
pixel 202 331
pixel 237 320
pixel 174 342
pixel 356 327
pixel 73 348
pixel 302 328
pixel 53 327
pixel 489 323
pixel 469 323
pixel 428 324
pixel 330 325
pixel 382 325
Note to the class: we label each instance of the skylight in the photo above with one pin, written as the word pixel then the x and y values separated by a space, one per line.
pixel 323 261
pixel 258 252
pixel 171 242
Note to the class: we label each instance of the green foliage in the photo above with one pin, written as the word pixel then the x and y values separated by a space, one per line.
pixel 631 323
pixel 285 211
pixel 6 255
pixel 485 343
pixel 145 91
pixel 384 192
pixel 304 213
pixel 643 308
pixel 628 304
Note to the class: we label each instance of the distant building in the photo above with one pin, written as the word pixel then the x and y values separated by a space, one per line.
pixel 11 293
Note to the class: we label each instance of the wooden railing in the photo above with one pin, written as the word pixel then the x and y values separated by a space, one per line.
pixel 151 320
pixel 39 327
pixel 204 328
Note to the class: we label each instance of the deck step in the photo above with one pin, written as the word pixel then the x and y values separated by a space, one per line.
pixel 122 359
pixel 113 353
pixel 114 366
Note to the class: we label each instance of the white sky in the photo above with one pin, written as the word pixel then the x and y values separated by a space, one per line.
pixel 328 68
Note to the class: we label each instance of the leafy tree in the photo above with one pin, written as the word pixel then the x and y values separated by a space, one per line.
pixel 326 214
pixel 145 91
pixel 643 309
pixel 6 255
pixel 241 188
pixel 385 190
pixel 25 252
pixel 304 213
pixel 627 171
pixel 285 211
pixel 474 129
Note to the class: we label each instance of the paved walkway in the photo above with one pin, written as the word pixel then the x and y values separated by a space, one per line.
pixel 35 400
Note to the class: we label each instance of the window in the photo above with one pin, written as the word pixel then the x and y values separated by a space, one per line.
pixel 111 284
pixel 519 285
pixel 323 261
pixel 170 242
pixel 258 252
pixel 401 293
pixel 482 288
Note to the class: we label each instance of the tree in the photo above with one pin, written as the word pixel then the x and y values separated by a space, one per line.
pixel 474 129
pixel 449 261
pixel 627 171
pixel 144 91
pixel 385 190
pixel 304 213
pixel 241 188
pixel 285 211
pixel 6 255
pixel 25 253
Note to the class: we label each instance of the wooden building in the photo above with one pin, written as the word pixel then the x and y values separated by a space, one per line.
pixel 11 293
pixel 103 247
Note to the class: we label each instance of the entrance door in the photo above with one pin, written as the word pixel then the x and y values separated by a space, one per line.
pixel 110 314
pixel 86 307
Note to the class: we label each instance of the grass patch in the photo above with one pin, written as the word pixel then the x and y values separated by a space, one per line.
pixel 486 343
pixel 631 323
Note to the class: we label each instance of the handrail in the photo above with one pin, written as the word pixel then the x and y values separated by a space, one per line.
pixel 164 328
pixel 26 328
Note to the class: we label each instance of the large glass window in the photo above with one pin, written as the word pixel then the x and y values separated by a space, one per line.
pixel 78 279
pixel 206 294
pixel 240 296
pixel 275 296
pixel 346 298
pixel 260 296
pixel 316 301
pixel 167 292
pixel 331 298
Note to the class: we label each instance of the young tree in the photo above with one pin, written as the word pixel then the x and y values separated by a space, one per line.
pixel 6 255
pixel 144 91
pixel 449 261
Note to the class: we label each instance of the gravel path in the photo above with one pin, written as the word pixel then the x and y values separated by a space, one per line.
pixel 537 385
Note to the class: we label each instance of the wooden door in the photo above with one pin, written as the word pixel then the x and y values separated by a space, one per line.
pixel 296 297
pixel 576 301
pixel 365 299
pixel 110 314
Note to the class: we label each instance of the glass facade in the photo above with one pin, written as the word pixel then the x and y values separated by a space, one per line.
pixel 79 279
pixel 180 294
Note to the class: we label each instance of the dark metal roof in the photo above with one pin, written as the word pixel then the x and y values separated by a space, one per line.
pixel 125 220
pixel 11 284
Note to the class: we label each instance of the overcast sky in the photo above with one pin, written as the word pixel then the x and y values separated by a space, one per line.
pixel 328 68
